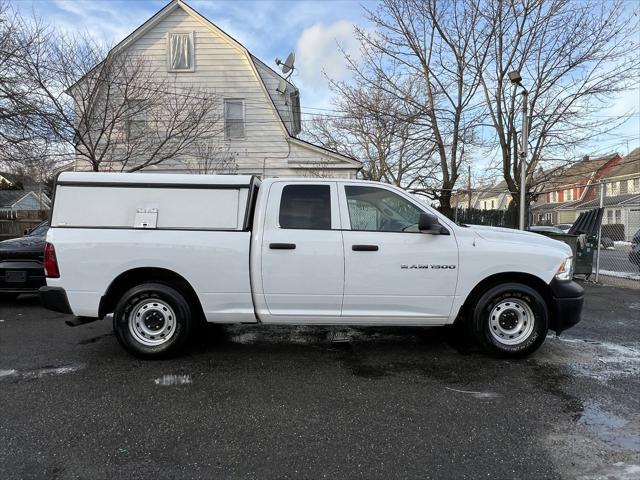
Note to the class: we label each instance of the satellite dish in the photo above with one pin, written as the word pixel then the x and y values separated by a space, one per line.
pixel 287 65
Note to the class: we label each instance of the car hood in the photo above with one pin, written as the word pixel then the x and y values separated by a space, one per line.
pixel 498 234
pixel 23 247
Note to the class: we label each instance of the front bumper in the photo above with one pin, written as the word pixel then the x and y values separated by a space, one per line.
pixel 566 305
pixel 54 298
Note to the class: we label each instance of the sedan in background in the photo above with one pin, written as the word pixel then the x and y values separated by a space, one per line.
pixel 21 269
pixel 544 229
pixel 564 226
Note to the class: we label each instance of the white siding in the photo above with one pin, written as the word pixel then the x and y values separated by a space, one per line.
pixel 222 67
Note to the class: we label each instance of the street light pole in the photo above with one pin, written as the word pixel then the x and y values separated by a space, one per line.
pixel 523 155
pixel 516 79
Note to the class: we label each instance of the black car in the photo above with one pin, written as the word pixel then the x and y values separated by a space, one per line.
pixel 634 254
pixel 21 269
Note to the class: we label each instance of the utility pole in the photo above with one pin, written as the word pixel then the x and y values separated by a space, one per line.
pixel 516 79
pixel 469 186
pixel 523 155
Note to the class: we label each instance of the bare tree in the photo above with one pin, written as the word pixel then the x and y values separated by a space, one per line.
pixel 574 57
pixel 428 54
pixel 213 158
pixel 20 125
pixel 114 108
pixel 378 129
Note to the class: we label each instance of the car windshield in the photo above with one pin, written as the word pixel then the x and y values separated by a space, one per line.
pixel 40 230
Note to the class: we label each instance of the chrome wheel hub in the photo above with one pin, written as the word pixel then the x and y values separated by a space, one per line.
pixel 511 321
pixel 152 322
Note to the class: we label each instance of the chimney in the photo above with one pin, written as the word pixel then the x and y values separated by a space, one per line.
pixel 585 158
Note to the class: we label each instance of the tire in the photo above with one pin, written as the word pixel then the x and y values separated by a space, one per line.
pixel 510 320
pixel 153 320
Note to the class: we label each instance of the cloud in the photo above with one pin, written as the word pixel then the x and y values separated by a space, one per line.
pixel 318 53
pixel 102 20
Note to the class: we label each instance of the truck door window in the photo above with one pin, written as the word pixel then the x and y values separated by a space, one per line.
pixel 379 210
pixel 306 207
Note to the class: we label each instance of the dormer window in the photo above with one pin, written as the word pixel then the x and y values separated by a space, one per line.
pixel 180 52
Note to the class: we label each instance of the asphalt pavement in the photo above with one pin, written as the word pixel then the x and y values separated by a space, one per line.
pixel 308 402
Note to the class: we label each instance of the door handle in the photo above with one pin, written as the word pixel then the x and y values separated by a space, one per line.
pixel 282 246
pixel 364 248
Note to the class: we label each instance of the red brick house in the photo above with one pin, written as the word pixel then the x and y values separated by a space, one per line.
pixel 568 186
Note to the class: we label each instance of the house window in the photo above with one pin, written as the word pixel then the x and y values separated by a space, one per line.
pixel 609 216
pixel 136 121
pixel 180 52
pixel 234 119
pixel 568 195
pixel 295 112
pixel 618 216
pixel 492 204
pixel 636 185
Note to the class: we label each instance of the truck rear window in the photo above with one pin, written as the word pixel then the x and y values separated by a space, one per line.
pixel 306 207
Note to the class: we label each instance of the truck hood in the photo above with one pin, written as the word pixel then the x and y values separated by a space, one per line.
pixel 498 234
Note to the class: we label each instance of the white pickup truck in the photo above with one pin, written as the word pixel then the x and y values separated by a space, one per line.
pixel 164 252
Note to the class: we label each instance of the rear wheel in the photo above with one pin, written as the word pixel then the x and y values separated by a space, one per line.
pixel 153 320
pixel 510 320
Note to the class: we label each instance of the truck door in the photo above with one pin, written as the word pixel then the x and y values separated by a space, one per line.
pixel 302 254
pixel 392 271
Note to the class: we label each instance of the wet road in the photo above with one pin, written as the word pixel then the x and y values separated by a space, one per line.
pixel 256 402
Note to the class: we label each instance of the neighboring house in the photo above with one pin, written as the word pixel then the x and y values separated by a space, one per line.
pixel 16 201
pixel 461 199
pixel 568 186
pixel 261 109
pixel 621 200
pixel 496 197
pixel 7 180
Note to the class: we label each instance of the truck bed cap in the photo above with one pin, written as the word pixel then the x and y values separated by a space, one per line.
pixel 153 179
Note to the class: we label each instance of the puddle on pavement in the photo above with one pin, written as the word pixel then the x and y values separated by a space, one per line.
pixel 602 361
pixel 46 371
pixel 613 430
pixel 173 380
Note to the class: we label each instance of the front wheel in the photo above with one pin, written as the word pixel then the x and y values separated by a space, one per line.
pixel 153 320
pixel 510 320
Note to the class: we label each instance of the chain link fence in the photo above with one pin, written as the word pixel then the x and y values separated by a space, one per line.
pixel 617 260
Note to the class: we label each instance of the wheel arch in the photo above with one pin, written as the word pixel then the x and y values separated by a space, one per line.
pixel 507 277
pixel 136 276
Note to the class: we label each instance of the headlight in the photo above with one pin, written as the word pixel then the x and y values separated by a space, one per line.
pixel 565 271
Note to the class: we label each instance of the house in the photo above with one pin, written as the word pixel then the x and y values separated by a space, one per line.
pixel 496 197
pixel 18 201
pixel 621 196
pixel 8 180
pixel 260 109
pixel 567 186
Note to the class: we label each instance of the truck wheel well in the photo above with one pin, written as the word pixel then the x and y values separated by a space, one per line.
pixel 531 280
pixel 137 276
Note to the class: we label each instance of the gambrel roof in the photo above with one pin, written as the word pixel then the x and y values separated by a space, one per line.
pixel 251 59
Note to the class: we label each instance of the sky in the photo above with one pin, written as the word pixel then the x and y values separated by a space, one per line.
pixel 273 28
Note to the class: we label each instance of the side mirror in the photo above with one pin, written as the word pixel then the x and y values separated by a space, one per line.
pixel 27 231
pixel 428 223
